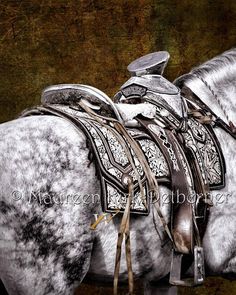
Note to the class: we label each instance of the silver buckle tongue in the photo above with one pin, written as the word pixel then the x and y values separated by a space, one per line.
pixel 199 269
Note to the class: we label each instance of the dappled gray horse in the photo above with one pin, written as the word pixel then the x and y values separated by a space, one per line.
pixel 50 195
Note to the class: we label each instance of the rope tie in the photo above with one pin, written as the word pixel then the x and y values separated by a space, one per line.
pixel 203 119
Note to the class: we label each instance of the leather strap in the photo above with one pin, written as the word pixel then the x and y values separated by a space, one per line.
pixel 124 232
pixel 182 231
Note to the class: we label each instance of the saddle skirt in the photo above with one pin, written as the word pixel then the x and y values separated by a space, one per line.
pixel 109 150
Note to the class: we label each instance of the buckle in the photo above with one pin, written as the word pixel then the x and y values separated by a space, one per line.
pixel 176 269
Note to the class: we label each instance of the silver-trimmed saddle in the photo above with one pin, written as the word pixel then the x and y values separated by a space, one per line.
pixel 160 146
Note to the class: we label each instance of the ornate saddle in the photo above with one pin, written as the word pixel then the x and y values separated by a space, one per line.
pixel 140 141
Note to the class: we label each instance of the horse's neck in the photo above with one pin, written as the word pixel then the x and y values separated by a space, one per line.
pixel 220 97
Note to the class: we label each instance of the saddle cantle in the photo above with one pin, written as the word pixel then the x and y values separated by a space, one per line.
pixel 67 94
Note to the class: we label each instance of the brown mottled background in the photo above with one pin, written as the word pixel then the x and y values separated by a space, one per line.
pixel 88 41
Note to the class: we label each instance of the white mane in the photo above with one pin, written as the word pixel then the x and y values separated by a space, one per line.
pixel 219 75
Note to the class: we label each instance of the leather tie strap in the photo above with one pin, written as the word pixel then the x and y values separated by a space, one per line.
pixel 124 232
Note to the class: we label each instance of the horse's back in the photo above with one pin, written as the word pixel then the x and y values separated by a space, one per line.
pixel 34 147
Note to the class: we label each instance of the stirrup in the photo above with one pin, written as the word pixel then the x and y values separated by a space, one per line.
pixel 199 269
